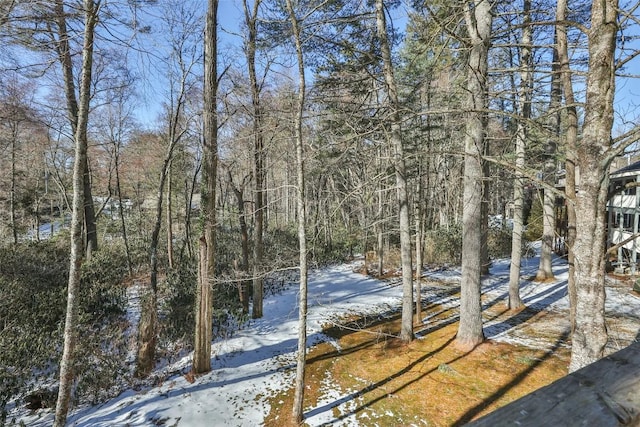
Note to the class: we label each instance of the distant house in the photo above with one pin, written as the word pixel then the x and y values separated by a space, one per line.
pixel 623 209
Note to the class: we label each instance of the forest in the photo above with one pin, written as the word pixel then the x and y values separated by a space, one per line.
pixel 207 155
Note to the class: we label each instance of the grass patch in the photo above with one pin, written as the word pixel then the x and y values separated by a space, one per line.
pixel 426 382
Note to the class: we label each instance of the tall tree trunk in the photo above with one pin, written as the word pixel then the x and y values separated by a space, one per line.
pixel 380 225
pixel 148 333
pixel 76 252
pixel 590 334
pixel 12 195
pixel 298 409
pixel 571 141
pixel 478 21
pixel 206 265
pixel 524 108
pixel 244 240
pixel 121 210
pixel 66 62
pixel 545 272
pixel 251 18
pixel 406 331
pixel 419 215
pixel 170 256
pixel 189 190
pixel 91 231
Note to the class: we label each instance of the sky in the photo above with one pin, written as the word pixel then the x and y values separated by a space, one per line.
pixel 258 361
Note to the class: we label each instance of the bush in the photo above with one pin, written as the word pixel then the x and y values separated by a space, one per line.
pixel 443 246
pixel 33 284
pixel 177 302
pixel 499 243
pixel 535 226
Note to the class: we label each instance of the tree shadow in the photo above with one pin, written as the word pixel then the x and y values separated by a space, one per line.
pixel 381 383
pixel 473 412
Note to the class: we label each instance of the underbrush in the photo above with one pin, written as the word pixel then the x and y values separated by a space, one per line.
pixel 33 284
pixel 443 246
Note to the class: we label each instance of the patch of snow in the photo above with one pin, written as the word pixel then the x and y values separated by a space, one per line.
pixel 258 361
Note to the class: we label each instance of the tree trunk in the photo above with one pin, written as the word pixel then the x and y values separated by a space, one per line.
pixel 147 335
pixel 419 214
pixel 12 195
pixel 243 288
pixel 406 331
pixel 545 272
pixel 259 158
pixel 66 62
pixel 380 215
pixel 478 20
pixel 590 334
pixel 91 231
pixel 298 408
pixel 571 140
pixel 170 257
pixel 121 212
pixel 524 108
pixel 76 252
pixel 206 264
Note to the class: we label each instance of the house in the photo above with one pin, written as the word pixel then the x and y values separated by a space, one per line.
pixel 623 213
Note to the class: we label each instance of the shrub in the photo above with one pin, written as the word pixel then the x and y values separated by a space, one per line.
pixel 33 284
pixel 534 221
pixel 443 245
pixel 177 302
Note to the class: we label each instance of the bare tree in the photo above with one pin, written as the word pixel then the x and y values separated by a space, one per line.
pixel 478 20
pixel 594 155
pixel 91 9
pixel 206 263
pixel 238 191
pixel 298 400
pixel 406 332
pixel 571 141
pixel 182 59
pixel 250 48
pixel 63 49
pixel 524 110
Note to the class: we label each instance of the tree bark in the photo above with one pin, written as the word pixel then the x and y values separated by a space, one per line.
pixel 590 334
pixel 419 216
pixel 123 225
pixel 76 251
pixel 406 331
pixel 478 21
pixel 571 141
pixel 259 158
pixel 206 264
pixel 524 108
pixel 64 56
pixel 545 271
pixel 298 408
pixel 170 251
pixel 244 240
pixel 12 193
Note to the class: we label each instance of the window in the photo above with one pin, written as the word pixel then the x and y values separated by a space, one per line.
pixel 628 222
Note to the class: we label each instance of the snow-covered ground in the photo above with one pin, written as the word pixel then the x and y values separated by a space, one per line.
pixel 256 363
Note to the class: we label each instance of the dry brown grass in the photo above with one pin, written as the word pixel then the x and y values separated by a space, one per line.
pixel 428 381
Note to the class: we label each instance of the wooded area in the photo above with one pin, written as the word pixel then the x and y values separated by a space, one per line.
pixel 162 143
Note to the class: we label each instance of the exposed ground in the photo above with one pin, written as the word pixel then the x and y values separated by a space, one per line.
pixel 359 373
pixel 430 382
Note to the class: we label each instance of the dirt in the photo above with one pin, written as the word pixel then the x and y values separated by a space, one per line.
pixel 429 381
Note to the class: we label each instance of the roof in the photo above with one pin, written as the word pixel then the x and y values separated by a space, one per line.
pixel 633 167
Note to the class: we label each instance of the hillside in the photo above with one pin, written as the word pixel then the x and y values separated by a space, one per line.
pixel 359 373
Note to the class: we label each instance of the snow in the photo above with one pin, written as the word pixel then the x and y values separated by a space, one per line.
pixel 258 362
